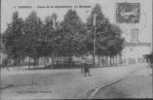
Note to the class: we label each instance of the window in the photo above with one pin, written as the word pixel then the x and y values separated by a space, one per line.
pixel 134 35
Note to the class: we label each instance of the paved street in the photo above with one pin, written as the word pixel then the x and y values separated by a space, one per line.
pixel 59 84
pixel 136 85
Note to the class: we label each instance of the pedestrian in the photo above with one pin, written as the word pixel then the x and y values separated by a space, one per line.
pixel 86 70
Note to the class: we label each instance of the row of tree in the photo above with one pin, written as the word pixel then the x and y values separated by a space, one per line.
pixel 33 38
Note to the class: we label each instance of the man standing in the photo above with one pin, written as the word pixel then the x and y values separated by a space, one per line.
pixel 86 70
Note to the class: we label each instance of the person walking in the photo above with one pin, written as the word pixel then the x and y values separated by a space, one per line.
pixel 86 70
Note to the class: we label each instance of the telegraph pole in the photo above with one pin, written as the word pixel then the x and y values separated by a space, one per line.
pixel 94 39
pixel 152 49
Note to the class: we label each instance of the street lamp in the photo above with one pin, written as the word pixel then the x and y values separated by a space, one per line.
pixel 152 49
pixel 94 39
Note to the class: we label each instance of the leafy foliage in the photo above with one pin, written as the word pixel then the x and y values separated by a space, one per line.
pixel 73 35
pixel 12 37
pixel 35 39
pixel 33 33
pixel 107 35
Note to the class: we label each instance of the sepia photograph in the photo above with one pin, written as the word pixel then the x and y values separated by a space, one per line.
pixel 76 49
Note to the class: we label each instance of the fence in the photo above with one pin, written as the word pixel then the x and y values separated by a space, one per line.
pixel 100 61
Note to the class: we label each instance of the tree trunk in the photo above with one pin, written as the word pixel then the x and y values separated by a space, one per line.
pixel 110 62
pixel 113 60
pixel 116 59
pixel 70 60
pixel 107 60
pixel 28 62
pixel 102 60
pixel 99 60
pixel 120 58
pixel 52 59
pixel 16 61
pixel 36 61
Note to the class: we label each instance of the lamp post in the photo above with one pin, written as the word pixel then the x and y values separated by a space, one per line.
pixel 94 39
pixel 152 77
pixel 151 55
pixel 152 48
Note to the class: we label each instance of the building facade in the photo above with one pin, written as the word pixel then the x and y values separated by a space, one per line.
pixel 134 17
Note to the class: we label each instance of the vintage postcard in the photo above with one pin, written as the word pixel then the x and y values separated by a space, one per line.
pixel 76 49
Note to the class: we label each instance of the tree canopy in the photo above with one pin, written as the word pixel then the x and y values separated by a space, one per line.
pixel 73 35
pixel 34 38
pixel 12 37
pixel 107 35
